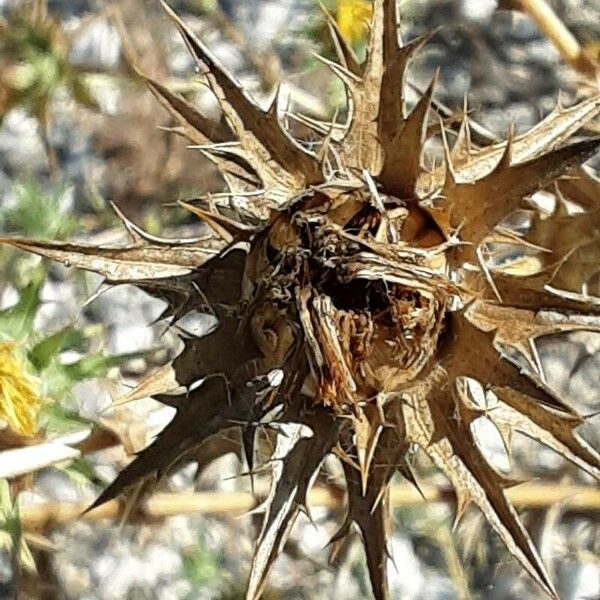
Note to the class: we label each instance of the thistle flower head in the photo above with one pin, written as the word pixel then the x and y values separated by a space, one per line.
pixel 361 290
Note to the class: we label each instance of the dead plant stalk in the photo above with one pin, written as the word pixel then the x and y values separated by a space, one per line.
pixel 556 31
pixel 163 505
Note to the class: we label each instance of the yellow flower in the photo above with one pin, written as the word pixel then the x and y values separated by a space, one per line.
pixel 353 19
pixel 20 401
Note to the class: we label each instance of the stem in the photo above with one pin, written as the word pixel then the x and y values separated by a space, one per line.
pixel 556 31
pixel 163 505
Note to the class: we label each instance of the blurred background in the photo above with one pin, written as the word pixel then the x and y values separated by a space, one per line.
pixel 77 131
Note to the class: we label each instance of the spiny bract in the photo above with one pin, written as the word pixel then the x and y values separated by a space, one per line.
pixel 360 291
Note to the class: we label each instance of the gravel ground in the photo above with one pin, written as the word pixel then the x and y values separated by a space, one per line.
pixel 513 74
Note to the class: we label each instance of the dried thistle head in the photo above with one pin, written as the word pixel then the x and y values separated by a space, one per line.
pixel 361 290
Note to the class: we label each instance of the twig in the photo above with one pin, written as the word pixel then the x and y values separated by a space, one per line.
pixel 556 31
pixel 163 505
pixel 446 541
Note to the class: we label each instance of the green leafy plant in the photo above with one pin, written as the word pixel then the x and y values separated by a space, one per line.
pixel 36 212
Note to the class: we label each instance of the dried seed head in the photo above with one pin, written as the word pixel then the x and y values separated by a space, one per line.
pixel 373 287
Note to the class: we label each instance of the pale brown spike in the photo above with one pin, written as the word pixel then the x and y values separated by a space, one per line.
pixel 572 242
pixel 391 43
pixel 344 51
pixel 234 166
pixel 481 204
pixel 472 352
pixel 392 108
pixel 143 260
pixel 546 427
pixel 226 228
pixel 244 115
pixel 378 98
pixel 463 502
pixel 406 470
pixel 519 329
pixel 402 153
pixel 368 427
pixel 373 520
pixel 374 63
pixel 508 524
pixel 560 125
pixel 161 381
pixel 551 133
pixel 451 446
pixel 198 128
pixel 323 153
pixel 506 160
pixel 448 161
pixel 533 293
pixel 462 149
pixel 238 179
pixel 361 148
pixel 193 125
pixel 227 163
pixel 296 462
pixel 393 79
pixel 479 134
pixel 369 508
pixel 201 130
pixel 137 234
pixel 350 79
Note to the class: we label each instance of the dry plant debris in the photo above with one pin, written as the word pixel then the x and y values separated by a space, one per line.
pixel 368 300
pixel 541 12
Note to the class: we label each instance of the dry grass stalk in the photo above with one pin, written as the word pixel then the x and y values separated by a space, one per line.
pixel 164 505
pixel 556 31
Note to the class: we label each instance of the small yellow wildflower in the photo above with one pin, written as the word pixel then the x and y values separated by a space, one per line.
pixel 353 18
pixel 20 401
